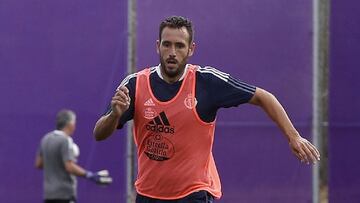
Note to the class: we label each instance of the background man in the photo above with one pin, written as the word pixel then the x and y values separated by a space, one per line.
pixel 57 155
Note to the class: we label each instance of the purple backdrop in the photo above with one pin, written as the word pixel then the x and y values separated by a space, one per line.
pixel 57 54
pixel 73 54
pixel 267 44
pixel 344 102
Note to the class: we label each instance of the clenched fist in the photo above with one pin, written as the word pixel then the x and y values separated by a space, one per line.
pixel 120 102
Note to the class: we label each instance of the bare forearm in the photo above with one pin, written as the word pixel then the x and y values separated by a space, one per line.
pixel 75 169
pixel 38 162
pixel 300 147
pixel 105 126
pixel 275 111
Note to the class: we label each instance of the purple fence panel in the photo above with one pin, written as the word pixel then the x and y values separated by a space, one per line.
pixel 344 162
pixel 264 43
pixel 72 54
pixel 54 55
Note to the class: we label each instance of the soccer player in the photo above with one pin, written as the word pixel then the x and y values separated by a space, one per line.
pixel 57 155
pixel 174 106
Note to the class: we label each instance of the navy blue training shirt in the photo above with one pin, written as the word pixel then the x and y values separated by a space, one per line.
pixel 214 89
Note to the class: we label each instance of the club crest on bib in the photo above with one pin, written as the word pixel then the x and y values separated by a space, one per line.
pixel 149 113
pixel 190 101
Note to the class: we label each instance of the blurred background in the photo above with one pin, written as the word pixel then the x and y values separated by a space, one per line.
pixel 73 54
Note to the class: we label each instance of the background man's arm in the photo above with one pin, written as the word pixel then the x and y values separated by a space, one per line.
pixel 101 177
pixel 38 162
pixel 70 166
pixel 301 148
pixel 75 169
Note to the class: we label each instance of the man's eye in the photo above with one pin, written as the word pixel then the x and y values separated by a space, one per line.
pixel 166 44
pixel 180 46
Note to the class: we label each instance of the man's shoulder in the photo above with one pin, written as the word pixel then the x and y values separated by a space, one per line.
pixel 53 139
pixel 211 73
pixel 131 78
pixel 150 69
pixel 55 134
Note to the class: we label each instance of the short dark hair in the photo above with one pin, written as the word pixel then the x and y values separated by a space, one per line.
pixel 177 22
pixel 64 117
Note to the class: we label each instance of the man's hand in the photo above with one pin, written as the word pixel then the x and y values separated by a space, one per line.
pixel 100 177
pixel 120 102
pixel 304 150
pixel 107 124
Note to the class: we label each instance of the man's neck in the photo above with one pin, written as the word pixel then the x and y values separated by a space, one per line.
pixel 63 131
pixel 170 80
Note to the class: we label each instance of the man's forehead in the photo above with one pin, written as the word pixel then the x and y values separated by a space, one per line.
pixel 174 34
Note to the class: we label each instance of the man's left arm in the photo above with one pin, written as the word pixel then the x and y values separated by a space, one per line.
pixel 301 147
pixel 38 162
pixel 38 158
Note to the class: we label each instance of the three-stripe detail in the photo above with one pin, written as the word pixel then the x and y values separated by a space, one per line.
pixel 228 79
pixel 134 75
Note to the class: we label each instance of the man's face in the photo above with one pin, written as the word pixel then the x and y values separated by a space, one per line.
pixel 72 126
pixel 174 50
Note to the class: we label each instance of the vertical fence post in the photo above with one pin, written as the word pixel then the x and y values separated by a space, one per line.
pixel 131 68
pixel 321 10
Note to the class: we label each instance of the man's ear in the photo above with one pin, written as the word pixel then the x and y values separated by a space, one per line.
pixel 191 48
pixel 158 46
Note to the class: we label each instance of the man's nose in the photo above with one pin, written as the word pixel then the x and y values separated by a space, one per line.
pixel 172 51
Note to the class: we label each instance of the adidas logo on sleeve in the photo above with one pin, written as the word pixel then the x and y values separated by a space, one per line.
pixel 160 124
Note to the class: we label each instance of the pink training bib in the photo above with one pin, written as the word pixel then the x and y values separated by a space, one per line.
pixel 174 144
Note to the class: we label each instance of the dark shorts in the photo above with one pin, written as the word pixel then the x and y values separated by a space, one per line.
pixel 196 197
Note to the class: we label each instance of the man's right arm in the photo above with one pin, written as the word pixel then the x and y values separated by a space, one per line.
pixel 69 160
pixel 107 124
pixel 73 168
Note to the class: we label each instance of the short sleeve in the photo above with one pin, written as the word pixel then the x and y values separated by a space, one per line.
pixel 39 151
pixel 230 91
pixel 216 89
pixel 67 153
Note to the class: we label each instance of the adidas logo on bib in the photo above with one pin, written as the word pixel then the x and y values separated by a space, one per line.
pixel 160 124
pixel 149 102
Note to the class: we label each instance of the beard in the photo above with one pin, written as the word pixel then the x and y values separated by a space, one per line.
pixel 172 72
